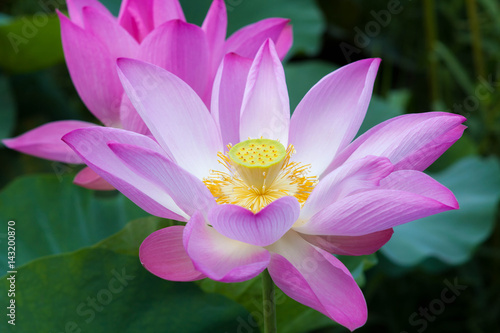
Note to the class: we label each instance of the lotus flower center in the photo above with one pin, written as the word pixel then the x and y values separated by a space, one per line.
pixel 259 172
pixel 257 153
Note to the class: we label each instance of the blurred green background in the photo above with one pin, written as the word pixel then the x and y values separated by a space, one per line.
pixel 71 241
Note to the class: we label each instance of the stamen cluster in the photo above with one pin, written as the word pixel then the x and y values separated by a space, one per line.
pixel 259 171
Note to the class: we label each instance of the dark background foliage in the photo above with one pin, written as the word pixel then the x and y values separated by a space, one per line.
pixel 436 56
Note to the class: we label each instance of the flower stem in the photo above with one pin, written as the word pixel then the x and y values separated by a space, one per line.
pixel 268 303
pixel 475 38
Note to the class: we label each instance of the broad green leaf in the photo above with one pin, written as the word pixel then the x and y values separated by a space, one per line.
pixel 306 18
pixel 97 290
pixel 30 43
pixel 53 215
pixel 452 236
pixel 128 240
pixel 7 109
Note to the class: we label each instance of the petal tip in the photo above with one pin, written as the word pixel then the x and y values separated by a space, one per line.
pixel 9 143
pixel 123 61
pixel 61 15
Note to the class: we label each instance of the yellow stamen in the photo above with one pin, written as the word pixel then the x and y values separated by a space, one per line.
pixel 253 183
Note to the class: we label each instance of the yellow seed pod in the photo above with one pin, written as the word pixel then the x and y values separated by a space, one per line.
pixel 258 161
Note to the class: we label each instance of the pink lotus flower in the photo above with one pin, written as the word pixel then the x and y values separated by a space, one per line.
pixel 286 199
pixel 151 30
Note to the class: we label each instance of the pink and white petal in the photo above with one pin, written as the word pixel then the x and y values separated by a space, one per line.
pixel 419 183
pixel 136 16
pixel 376 210
pixel 330 114
pixel 182 49
pixel 215 26
pixel 285 41
pixel 89 179
pixel 265 110
pixel 75 8
pixel 163 254
pixel 130 118
pixel 93 72
pixel 187 191
pixel 249 39
pixel 426 155
pixel 45 141
pixel 348 179
pixel 91 145
pixel 351 245
pixel 118 41
pixel 411 141
pixel 261 229
pixel 221 258
pixel 175 115
pixel 227 96
pixel 318 280
pixel 167 10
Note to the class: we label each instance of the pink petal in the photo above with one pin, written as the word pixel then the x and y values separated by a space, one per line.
pixel 175 115
pixel 261 229
pixel 182 49
pixel 248 40
pixel 136 16
pixel 130 118
pixel 91 145
pixel 45 141
pixel 349 178
pixel 118 41
pixel 317 279
pixel 381 209
pixel 215 26
pixel 75 8
pixel 89 179
pixel 265 109
pixel 187 191
pixel 227 96
pixel 330 114
pixel 93 71
pixel 285 41
pixel 167 10
pixel 419 183
pixel 351 245
pixel 411 141
pixel 221 258
pixel 163 254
